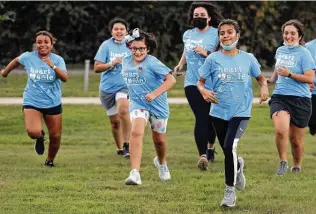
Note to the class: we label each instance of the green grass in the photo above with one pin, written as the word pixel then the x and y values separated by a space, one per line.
pixel 89 177
pixel 14 84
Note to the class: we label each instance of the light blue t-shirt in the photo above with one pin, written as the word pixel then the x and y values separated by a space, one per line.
pixel 231 77
pixel 298 60
pixel 111 80
pixel 43 88
pixel 191 39
pixel 143 79
pixel 311 46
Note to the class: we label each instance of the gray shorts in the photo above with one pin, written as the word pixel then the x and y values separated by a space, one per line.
pixel 108 100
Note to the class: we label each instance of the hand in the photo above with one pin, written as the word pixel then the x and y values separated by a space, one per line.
pixel 264 93
pixel 116 61
pixel 48 61
pixel 3 73
pixel 311 86
pixel 151 96
pixel 209 96
pixel 177 69
pixel 200 50
pixel 284 71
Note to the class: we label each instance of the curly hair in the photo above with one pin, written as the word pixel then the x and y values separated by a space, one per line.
pixel 299 27
pixel 212 10
pixel 149 39
pixel 117 20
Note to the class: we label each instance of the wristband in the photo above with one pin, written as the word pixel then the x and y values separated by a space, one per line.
pixel 111 64
pixel 54 67
pixel 290 75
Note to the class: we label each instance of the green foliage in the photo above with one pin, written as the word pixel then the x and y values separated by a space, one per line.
pixel 81 27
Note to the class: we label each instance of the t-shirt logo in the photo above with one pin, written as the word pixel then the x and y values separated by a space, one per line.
pixel 287 60
pixel 43 75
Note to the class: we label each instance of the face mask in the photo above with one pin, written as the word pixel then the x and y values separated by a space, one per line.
pixel 292 46
pixel 229 47
pixel 200 22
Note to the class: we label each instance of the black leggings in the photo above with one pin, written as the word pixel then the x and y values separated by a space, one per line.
pixel 228 134
pixel 203 130
pixel 312 120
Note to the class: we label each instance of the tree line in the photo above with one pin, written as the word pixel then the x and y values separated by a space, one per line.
pixel 80 27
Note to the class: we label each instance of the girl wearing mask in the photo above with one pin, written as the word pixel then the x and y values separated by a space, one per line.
pixel 290 104
pixel 199 42
pixel 230 71
pixel 113 89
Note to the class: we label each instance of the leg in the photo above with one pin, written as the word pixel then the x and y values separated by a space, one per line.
pixel 297 144
pixel 117 131
pixel 281 121
pixel 54 126
pixel 33 123
pixel 123 112
pixel 136 142
pixel 160 143
pixel 312 120
pixel 200 109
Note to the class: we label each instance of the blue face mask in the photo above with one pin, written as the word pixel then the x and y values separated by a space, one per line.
pixel 229 47
pixel 291 46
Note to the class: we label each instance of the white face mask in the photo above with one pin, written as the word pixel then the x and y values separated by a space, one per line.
pixel 291 46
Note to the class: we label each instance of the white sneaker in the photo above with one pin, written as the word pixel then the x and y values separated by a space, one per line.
pixel 133 178
pixel 241 179
pixel 164 173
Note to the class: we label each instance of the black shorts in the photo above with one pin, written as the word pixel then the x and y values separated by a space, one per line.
pixel 46 111
pixel 299 108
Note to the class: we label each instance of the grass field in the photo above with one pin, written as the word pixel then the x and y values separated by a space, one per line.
pixel 14 84
pixel 89 177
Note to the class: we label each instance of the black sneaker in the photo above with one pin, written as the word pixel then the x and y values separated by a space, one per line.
pixel 39 144
pixel 211 155
pixel 49 163
pixel 312 130
pixel 120 152
pixel 126 150
pixel 295 169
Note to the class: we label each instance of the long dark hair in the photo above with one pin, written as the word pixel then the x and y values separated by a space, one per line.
pixel 212 11
pixel 299 26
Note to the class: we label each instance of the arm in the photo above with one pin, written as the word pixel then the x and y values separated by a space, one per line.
pixel 307 77
pixel 201 51
pixel 273 78
pixel 103 67
pixel 169 82
pixel 180 64
pixel 209 96
pixel 60 73
pixel 12 65
pixel 264 91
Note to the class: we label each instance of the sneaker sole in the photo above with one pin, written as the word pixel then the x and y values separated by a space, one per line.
pixel 227 205
pixel 37 147
pixel 131 182
pixel 126 155
pixel 203 164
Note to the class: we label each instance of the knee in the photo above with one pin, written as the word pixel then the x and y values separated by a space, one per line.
pixel 115 124
pixel 281 132
pixel 159 142
pixel 33 133
pixel 295 141
pixel 137 134
pixel 123 112
pixel 54 137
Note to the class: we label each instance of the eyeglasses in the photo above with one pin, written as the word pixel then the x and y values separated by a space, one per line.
pixel 141 49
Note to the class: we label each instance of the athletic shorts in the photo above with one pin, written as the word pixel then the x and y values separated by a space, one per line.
pixel 108 100
pixel 46 111
pixel 299 108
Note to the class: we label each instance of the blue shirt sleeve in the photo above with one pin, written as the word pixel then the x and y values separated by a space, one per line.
pixel 308 62
pixel 102 54
pixel 254 67
pixel 159 68
pixel 61 64
pixel 23 58
pixel 205 71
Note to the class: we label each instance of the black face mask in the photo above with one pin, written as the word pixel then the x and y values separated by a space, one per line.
pixel 200 22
